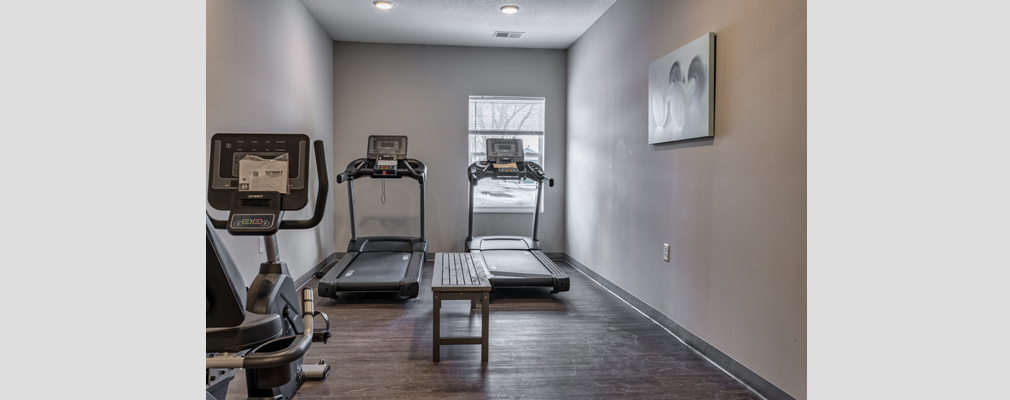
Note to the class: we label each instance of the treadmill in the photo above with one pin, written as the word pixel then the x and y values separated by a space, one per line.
pixel 513 261
pixel 380 263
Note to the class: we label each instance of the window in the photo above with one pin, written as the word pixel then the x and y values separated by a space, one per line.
pixel 506 117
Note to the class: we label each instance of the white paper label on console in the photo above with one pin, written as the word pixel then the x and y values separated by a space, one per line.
pixel 259 174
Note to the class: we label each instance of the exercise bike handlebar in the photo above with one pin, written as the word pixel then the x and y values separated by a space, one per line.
pixel 321 194
pixel 217 223
pixel 289 354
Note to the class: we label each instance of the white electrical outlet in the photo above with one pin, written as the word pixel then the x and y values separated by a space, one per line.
pixel 666 252
pixel 263 246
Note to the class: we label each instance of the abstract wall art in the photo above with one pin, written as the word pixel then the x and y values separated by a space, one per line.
pixel 681 92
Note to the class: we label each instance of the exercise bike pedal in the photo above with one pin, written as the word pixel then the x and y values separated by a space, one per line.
pixel 319 371
pixel 322 334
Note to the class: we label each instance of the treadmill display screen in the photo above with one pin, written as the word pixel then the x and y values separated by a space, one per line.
pixel 395 146
pixel 504 150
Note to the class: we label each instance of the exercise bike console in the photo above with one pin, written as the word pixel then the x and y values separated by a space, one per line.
pixel 254 213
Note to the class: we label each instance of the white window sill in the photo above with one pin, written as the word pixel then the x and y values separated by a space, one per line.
pixel 504 210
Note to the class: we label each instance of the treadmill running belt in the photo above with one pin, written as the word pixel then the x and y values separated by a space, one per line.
pixel 513 262
pixel 377 267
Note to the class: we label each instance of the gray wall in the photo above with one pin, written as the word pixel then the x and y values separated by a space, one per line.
pixel 733 209
pixel 422 92
pixel 270 70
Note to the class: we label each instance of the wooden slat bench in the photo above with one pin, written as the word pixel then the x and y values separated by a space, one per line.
pixel 460 276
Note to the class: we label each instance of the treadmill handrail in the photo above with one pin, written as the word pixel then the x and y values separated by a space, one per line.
pixel 474 176
pixel 360 167
pixel 363 167
pixel 344 176
pixel 538 173
pixel 321 194
pixel 529 170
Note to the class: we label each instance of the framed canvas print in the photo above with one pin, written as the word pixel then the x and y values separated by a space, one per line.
pixel 681 100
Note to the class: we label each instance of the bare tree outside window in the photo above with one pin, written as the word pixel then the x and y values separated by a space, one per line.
pixel 510 118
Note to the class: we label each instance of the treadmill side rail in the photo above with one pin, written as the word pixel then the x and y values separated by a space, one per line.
pixel 327 284
pixel 549 274
pixel 561 281
pixel 409 285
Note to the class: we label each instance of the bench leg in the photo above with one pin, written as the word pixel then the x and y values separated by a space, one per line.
pixel 436 335
pixel 484 315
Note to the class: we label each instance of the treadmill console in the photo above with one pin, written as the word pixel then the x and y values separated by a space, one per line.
pixel 386 151
pixel 506 156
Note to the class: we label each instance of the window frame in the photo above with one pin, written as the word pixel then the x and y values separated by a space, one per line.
pixel 539 153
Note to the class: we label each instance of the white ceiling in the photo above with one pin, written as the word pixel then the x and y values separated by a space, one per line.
pixel 548 24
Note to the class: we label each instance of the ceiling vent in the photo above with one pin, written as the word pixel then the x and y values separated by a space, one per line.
pixel 511 35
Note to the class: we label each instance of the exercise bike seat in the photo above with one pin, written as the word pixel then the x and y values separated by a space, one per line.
pixel 254 330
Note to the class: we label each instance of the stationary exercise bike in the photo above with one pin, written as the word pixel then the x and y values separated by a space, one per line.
pixel 264 330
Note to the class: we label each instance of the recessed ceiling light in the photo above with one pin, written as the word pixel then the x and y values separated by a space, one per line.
pixel 385 5
pixel 510 9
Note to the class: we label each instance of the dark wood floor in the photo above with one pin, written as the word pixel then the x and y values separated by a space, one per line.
pixel 581 344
